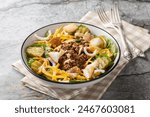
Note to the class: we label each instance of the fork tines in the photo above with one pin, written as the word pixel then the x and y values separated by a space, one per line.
pixel 102 15
pixel 115 13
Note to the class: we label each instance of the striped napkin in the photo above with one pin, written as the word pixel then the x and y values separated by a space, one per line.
pixel 138 36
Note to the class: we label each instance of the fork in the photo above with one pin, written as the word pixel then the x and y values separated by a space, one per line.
pixel 107 22
pixel 115 18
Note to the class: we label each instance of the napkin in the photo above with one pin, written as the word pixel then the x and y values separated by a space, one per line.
pixel 137 35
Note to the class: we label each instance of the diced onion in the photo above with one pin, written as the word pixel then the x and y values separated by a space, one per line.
pixel 44 38
pixel 97 42
pixel 89 70
pixel 54 56
pixel 99 71
pixel 70 28
pixel 89 54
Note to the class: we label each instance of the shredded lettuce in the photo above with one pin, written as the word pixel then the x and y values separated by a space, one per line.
pixel 46 34
pixel 78 40
pixel 30 61
pixel 47 50
pixel 111 46
pixel 83 29
pixel 38 45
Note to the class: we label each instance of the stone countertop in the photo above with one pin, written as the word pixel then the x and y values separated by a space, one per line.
pixel 18 18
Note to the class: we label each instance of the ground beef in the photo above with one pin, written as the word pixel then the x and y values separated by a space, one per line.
pixel 72 50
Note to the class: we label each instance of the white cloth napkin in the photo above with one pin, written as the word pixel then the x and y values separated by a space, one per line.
pixel 136 35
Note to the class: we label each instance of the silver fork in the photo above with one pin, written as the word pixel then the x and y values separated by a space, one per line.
pixel 115 17
pixel 106 21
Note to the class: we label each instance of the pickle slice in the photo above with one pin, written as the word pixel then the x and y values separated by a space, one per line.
pixel 35 66
pixel 35 51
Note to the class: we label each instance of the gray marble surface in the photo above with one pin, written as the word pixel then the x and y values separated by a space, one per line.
pixel 18 18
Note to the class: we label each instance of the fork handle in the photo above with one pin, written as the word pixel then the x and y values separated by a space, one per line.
pixel 127 53
pixel 133 49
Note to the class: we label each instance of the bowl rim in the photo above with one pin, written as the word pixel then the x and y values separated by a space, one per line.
pixel 72 83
